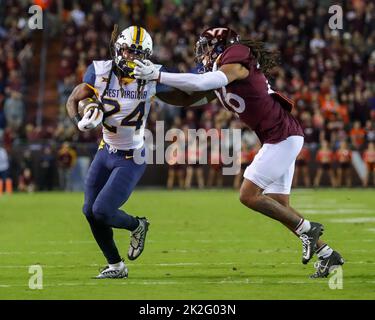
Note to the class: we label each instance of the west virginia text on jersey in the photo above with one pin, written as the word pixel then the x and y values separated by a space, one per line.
pixel 125 108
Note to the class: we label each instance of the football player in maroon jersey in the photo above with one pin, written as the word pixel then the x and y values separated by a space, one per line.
pixel 235 71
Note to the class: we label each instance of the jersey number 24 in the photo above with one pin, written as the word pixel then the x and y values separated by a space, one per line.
pixel 128 121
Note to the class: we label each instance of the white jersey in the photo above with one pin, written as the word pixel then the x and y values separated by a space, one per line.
pixel 126 110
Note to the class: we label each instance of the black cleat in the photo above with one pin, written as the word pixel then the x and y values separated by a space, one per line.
pixel 325 266
pixel 309 240
pixel 137 239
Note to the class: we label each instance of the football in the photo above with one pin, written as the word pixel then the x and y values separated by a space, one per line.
pixel 88 105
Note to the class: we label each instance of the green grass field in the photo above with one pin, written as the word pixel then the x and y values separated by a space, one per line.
pixel 201 245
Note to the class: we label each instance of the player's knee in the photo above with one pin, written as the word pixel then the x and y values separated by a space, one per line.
pixel 87 210
pixel 242 197
pixel 247 199
pixel 101 210
pixel 250 194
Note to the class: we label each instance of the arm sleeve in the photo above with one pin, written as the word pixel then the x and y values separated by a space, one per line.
pixel 194 82
pixel 89 76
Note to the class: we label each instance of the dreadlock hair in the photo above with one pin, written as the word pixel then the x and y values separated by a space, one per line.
pixel 266 58
pixel 114 36
pixel 114 68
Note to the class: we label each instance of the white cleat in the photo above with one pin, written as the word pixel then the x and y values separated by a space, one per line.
pixel 113 273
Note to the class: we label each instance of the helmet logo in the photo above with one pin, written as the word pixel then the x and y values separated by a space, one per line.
pixel 216 31
pixel 211 44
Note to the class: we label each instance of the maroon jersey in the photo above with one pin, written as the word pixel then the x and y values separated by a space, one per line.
pixel 265 111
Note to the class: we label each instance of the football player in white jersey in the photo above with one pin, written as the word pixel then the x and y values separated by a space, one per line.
pixel 113 174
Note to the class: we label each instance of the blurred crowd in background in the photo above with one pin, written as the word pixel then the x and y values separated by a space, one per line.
pixel 330 74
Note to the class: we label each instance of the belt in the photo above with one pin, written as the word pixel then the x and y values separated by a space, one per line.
pixel 122 153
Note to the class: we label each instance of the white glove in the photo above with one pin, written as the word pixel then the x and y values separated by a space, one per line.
pixel 90 120
pixel 146 70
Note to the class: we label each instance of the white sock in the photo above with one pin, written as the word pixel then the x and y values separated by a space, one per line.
pixel 303 226
pixel 324 252
pixel 117 265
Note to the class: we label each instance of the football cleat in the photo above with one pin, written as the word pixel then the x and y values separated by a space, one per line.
pixel 325 266
pixel 137 239
pixel 113 273
pixel 309 240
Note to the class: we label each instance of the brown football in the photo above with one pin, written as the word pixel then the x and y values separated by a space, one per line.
pixel 88 105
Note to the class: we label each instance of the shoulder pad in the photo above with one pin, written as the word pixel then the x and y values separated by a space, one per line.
pixel 102 66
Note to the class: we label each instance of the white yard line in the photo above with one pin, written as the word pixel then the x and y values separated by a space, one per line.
pixel 138 282
pixel 337 211
pixel 353 220
pixel 247 240
pixel 304 205
pixel 180 264
pixel 53 253
pixel 216 250
pixel 65 242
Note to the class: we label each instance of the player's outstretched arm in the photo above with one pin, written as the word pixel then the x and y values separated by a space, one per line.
pixel 234 71
pixel 80 92
pixel 182 99
pixel 190 81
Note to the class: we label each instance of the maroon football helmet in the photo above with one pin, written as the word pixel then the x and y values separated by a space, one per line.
pixel 212 42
